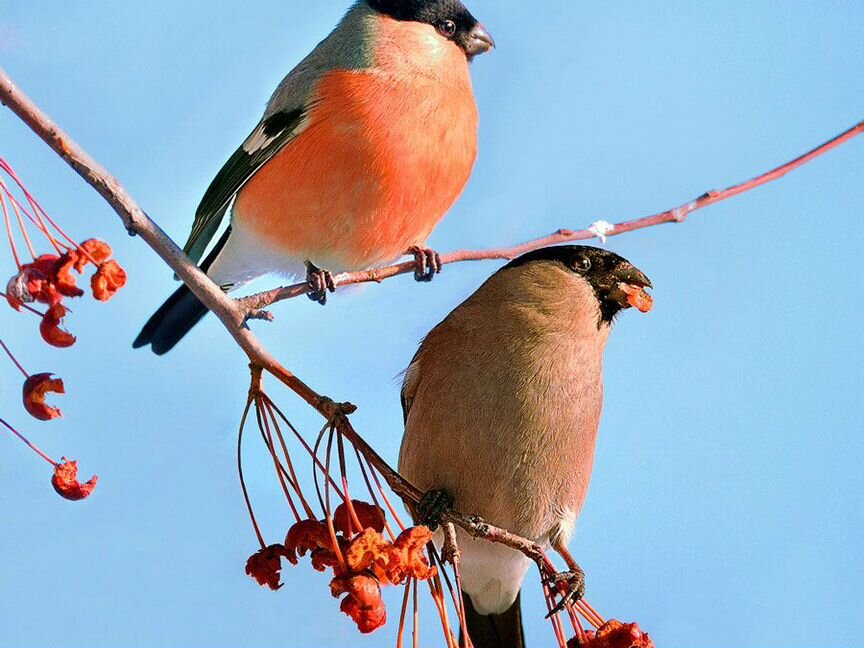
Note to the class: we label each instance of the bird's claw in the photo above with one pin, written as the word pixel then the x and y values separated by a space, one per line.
pixel 571 586
pixel 432 506
pixel 428 263
pixel 320 281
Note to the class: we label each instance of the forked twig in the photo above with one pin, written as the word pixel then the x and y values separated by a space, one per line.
pixel 234 314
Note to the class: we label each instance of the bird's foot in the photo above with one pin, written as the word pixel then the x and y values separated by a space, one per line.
pixel 432 506
pixel 428 263
pixel 571 586
pixel 320 281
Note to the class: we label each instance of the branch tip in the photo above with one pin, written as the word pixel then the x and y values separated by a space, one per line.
pixel 262 315
pixel 450 552
pixel 337 413
pixel 233 314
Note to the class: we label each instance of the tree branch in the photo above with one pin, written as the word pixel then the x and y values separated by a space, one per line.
pixel 229 312
pixel 257 302
pixel 233 314
pixel 138 223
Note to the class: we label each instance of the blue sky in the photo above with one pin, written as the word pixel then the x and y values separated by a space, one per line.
pixel 725 505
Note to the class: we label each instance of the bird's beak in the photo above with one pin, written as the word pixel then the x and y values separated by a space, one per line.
pixel 630 289
pixel 480 41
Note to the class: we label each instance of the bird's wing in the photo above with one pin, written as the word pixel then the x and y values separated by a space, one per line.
pixel 410 383
pixel 272 134
pixel 286 115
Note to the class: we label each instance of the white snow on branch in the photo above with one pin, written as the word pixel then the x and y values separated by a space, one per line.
pixel 602 229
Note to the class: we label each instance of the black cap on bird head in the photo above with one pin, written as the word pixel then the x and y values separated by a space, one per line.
pixel 617 283
pixel 449 17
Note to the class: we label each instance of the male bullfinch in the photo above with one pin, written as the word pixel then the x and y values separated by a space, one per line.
pixel 502 405
pixel 362 149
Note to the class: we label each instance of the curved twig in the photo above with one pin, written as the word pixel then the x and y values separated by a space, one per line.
pixel 257 302
pixel 233 314
pixel 230 313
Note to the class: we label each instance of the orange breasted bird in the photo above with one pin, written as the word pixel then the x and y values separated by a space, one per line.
pixel 362 149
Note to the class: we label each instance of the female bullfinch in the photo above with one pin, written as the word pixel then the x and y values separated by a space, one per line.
pixel 502 405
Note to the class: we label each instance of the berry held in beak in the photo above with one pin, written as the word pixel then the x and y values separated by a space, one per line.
pixel 637 297
pixel 631 288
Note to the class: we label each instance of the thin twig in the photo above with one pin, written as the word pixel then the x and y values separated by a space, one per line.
pixel 233 314
pixel 138 223
pixel 27 441
pixel 450 550
pixel 679 214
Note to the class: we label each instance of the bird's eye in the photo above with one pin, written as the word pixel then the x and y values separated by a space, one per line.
pixel 447 28
pixel 581 263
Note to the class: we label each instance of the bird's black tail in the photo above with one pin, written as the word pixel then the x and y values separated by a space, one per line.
pixel 178 315
pixel 174 319
pixel 495 630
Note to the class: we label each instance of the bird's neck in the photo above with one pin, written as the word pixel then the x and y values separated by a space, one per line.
pixel 560 305
pixel 412 49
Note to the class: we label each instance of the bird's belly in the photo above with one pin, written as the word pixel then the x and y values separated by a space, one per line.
pixel 376 168
pixel 539 491
pixel 526 473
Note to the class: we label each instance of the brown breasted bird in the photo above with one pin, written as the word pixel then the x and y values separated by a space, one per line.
pixel 502 405
pixel 362 149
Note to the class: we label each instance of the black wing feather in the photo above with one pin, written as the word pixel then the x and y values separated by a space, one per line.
pixel 280 126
